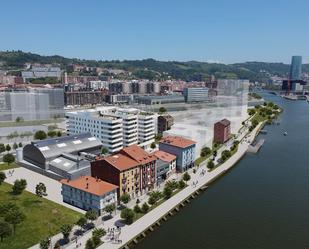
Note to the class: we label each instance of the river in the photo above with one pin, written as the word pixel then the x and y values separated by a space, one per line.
pixel 262 203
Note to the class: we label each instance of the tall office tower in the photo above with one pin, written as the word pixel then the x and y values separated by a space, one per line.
pixel 295 70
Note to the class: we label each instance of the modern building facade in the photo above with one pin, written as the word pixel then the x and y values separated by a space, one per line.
pixel 115 127
pixel 165 122
pixel 222 131
pixel 84 97
pixel 165 165
pixel 89 193
pixel 295 69
pixel 182 148
pixel 196 94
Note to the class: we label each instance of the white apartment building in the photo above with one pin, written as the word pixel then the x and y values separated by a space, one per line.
pixel 115 127
pixel 107 128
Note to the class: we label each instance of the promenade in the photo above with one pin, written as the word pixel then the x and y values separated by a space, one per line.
pixel 129 232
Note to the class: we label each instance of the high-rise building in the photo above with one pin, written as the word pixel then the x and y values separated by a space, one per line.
pixel 115 127
pixel 295 70
pixel 195 94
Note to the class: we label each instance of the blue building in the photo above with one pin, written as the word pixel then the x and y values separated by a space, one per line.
pixel 196 94
pixel 295 70
pixel 182 148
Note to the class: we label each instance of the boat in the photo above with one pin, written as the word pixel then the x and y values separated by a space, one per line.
pixel 285 133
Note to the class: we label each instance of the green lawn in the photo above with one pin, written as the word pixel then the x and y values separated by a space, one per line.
pixel 6 166
pixel 43 217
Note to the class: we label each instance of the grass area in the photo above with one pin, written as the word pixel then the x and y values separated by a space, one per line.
pixel 43 218
pixel 5 166
pixel 28 123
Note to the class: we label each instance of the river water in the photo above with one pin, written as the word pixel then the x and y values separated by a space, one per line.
pixel 262 203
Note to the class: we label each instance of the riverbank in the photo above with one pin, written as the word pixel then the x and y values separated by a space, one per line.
pixel 130 234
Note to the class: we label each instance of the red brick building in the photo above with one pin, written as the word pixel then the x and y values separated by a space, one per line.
pixel 222 131
pixel 132 169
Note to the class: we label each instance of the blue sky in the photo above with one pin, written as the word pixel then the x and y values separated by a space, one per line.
pixel 205 30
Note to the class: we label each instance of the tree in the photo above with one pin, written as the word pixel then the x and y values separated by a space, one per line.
pixel 40 189
pixel 91 215
pixel 137 209
pixel 19 186
pixel 89 244
pixel 40 135
pixel 162 109
pixel 181 184
pixel 128 215
pixel 167 192
pixel 5 230
pixel 210 164
pixel 20 145
pixel 98 232
pixel 153 145
pixel 125 198
pixel 8 148
pixel 186 177
pixel 66 230
pixel 205 151
pixel 2 177
pixel 14 216
pixel 59 134
pixel 2 148
pixel 82 222
pixel 96 241
pixel 8 158
pixel 15 146
pixel 44 244
pixel 52 133
pixel 109 209
pixel 19 119
pixel 145 208
pixel 104 151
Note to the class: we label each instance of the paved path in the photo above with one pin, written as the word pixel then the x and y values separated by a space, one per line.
pixel 131 231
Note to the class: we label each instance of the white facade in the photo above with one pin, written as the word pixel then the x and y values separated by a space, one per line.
pixel 115 127
pixel 87 201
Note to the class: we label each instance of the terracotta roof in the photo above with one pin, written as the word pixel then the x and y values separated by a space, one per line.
pixel 164 156
pixel 177 141
pixel 137 154
pixel 90 184
pixel 224 122
pixel 121 162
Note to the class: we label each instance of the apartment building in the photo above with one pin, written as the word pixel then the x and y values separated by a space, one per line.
pixel 107 128
pixel 132 169
pixel 115 127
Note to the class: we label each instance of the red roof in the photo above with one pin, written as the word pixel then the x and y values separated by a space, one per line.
pixel 121 162
pixel 90 184
pixel 177 141
pixel 137 154
pixel 164 156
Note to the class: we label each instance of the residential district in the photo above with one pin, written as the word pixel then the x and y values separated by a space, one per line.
pixel 95 163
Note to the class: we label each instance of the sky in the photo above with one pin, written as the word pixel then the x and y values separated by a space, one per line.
pixel 226 31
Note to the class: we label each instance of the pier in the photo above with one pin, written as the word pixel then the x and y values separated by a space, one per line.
pixel 255 148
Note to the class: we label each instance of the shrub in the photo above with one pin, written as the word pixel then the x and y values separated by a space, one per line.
pixel 137 209
pixel 145 208
pixel 128 215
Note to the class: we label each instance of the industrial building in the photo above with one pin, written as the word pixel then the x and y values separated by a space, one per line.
pixel 160 100
pixel 65 157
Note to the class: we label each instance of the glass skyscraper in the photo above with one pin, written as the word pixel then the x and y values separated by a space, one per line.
pixel 295 70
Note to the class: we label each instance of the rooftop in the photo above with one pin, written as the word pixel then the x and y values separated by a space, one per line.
pixel 164 156
pixel 137 154
pixel 121 162
pixel 225 122
pixel 177 141
pixel 90 184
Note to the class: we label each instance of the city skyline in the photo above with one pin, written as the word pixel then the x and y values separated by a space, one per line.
pixel 206 31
